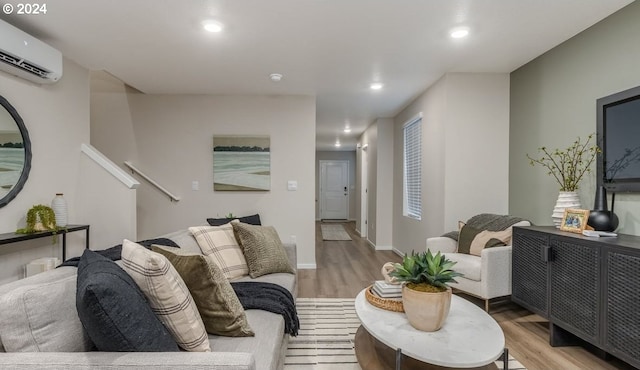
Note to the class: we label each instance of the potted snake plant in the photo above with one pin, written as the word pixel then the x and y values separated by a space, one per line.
pixel 426 297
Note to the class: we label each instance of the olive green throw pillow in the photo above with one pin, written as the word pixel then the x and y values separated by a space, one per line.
pixel 473 241
pixel 263 249
pixel 219 307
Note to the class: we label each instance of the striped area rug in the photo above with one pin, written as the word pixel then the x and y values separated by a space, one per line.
pixel 325 340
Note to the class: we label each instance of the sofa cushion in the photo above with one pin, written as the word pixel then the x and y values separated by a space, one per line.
pixel 217 303
pixel 114 311
pixel 263 249
pixel 220 243
pixel 267 344
pixel 251 220
pixel 167 294
pixel 467 264
pixel 28 324
pixel 185 240
pixel 473 240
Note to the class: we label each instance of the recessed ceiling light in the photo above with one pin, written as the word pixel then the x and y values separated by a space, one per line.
pixel 376 86
pixel 458 33
pixel 275 77
pixel 212 26
pixel 347 130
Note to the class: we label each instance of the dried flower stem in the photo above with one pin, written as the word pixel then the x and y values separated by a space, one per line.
pixel 568 166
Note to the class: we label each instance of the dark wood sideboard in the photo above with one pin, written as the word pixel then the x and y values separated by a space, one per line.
pixel 586 287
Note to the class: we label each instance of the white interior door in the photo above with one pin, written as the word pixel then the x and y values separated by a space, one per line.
pixel 334 190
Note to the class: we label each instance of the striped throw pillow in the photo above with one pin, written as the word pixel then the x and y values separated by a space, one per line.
pixel 167 294
pixel 220 243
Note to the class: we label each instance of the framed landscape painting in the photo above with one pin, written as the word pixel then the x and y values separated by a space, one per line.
pixel 241 163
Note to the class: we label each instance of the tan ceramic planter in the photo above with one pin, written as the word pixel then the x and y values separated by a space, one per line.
pixel 426 311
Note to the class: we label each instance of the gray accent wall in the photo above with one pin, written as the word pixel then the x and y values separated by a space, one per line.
pixel 553 101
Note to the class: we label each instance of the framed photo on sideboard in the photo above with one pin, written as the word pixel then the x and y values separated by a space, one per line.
pixel 574 220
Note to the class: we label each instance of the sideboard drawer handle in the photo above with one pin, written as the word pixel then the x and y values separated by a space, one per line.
pixel 546 253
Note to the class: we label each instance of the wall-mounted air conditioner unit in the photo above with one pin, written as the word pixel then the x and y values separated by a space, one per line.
pixel 25 56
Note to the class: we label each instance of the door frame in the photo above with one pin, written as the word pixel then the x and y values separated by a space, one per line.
pixel 347 198
pixel 364 197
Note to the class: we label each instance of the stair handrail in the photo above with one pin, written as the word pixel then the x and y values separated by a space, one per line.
pixel 113 169
pixel 134 169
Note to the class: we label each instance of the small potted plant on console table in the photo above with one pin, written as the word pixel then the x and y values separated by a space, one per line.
pixel 426 297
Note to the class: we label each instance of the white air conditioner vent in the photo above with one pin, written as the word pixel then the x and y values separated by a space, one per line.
pixel 25 56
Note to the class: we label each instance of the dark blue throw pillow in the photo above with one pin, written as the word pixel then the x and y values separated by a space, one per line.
pixel 251 220
pixel 114 311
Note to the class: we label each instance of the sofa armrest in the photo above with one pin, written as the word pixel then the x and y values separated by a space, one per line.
pixel 291 249
pixel 496 270
pixel 442 244
pixel 128 360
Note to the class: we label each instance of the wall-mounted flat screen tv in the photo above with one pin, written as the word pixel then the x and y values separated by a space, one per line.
pixel 618 131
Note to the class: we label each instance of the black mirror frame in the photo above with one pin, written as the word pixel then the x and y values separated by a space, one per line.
pixel 26 142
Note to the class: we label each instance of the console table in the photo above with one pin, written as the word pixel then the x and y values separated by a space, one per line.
pixel 586 287
pixel 9 238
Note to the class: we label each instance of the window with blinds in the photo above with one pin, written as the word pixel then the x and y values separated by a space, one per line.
pixel 412 179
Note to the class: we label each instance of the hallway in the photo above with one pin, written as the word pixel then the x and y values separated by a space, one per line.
pixel 344 268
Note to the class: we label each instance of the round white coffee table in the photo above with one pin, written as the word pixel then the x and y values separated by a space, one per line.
pixel 469 338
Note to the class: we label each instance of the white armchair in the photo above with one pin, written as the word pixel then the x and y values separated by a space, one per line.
pixel 487 276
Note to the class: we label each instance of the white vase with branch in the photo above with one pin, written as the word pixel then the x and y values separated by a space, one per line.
pixel 568 167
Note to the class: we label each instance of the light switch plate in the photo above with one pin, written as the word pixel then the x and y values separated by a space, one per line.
pixel 292 185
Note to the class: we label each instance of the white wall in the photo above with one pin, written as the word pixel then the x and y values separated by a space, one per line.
pixel 476 146
pixel 553 101
pixel 465 128
pixel 173 137
pixel 108 205
pixel 378 138
pixel 409 234
pixel 57 118
pixel 343 155
pixel 111 121
pixel 384 185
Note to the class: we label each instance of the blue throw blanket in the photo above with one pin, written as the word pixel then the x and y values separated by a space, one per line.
pixel 269 297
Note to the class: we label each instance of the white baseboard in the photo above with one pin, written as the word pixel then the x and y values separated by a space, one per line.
pixel 360 234
pixel 370 243
pixel 398 252
pixel 384 248
pixel 307 266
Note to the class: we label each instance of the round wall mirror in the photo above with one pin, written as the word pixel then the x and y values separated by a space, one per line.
pixel 15 152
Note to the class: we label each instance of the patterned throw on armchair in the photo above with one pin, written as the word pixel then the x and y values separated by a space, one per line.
pixel 482 250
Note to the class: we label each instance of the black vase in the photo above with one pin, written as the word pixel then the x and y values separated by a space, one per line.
pixel 600 218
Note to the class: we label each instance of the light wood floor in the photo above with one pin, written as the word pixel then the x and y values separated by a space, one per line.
pixel 344 268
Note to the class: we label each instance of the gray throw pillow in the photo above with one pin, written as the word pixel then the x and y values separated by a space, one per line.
pixel 114 311
pixel 263 249
pixel 219 307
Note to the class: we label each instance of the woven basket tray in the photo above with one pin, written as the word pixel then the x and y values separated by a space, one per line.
pixel 388 304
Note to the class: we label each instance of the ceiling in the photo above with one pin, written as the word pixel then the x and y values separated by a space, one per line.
pixel 330 49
